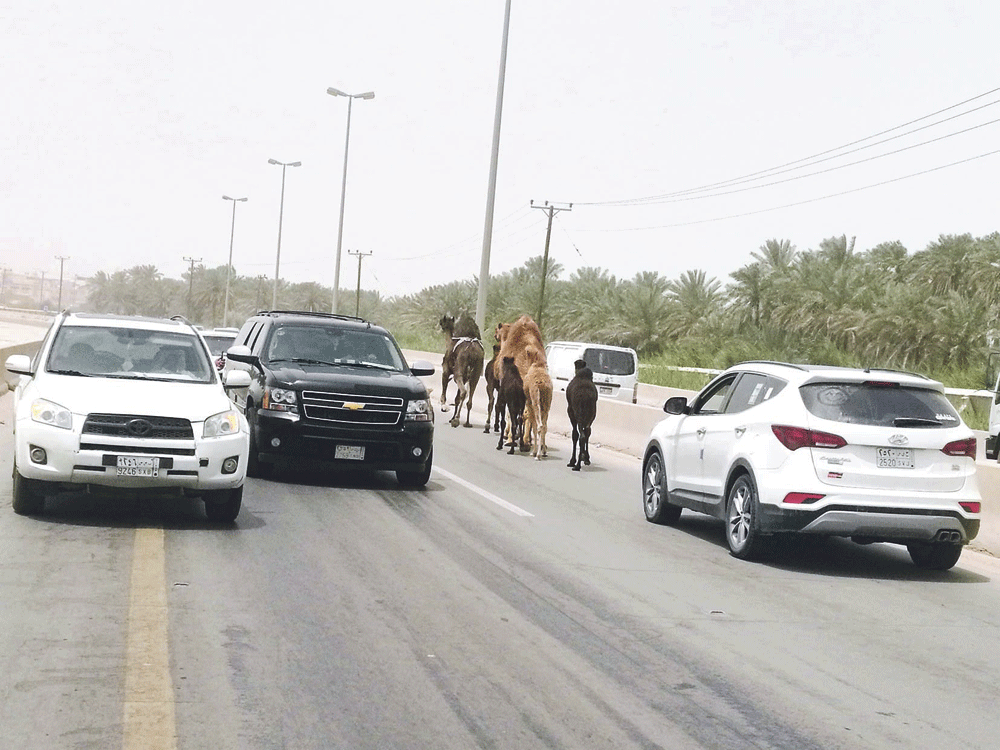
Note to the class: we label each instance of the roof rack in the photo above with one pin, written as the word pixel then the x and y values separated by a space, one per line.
pixel 337 316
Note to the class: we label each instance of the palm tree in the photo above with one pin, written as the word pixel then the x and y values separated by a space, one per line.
pixel 776 255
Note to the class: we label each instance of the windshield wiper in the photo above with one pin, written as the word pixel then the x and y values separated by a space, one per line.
pixel 302 360
pixel 915 422
pixel 72 372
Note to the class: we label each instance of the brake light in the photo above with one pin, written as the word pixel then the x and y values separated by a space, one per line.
pixel 966 447
pixel 802 497
pixel 971 507
pixel 794 438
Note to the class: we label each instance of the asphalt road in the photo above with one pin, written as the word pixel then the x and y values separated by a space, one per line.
pixel 510 604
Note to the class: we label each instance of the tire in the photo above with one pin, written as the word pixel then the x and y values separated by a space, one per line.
pixel 255 467
pixel 936 556
pixel 419 478
pixel 654 493
pixel 742 523
pixel 26 500
pixel 223 506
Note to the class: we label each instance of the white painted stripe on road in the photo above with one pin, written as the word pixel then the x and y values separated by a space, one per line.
pixel 483 493
pixel 149 719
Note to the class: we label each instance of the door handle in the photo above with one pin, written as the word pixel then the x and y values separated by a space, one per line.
pixel 700 432
pixel 740 430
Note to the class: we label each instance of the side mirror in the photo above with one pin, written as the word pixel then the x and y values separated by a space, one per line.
pixel 19 364
pixel 236 379
pixel 421 367
pixel 242 354
pixel 676 405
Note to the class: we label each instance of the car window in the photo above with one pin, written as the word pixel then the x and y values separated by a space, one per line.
pixel 129 353
pixel 331 345
pixel 752 389
pixel 885 404
pixel 712 399
pixel 609 362
pixel 218 345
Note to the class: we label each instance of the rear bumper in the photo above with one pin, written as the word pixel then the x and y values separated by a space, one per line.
pixel 871 524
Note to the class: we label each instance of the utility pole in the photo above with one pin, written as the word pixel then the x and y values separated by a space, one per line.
pixel 3 281
pixel 357 301
pixel 41 292
pixel 551 209
pixel 192 261
pixel 62 259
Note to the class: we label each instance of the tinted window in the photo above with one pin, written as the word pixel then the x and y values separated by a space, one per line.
pixel 752 389
pixel 218 344
pixel 879 404
pixel 710 400
pixel 328 345
pixel 609 362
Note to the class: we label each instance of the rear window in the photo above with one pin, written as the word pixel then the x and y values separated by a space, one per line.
pixel 886 405
pixel 609 362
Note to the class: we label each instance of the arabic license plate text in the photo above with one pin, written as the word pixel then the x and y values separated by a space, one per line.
pixel 605 389
pixel 350 452
pixel 895 458
pixel 138 466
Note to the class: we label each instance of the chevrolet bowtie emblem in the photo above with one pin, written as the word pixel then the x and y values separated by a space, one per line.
pixel 353 405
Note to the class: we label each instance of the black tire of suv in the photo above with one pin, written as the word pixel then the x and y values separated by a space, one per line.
pixel 742 521
pixel 654 492
pixel 223 506
pixel 936 556
pixel 255 467
pixel 26 500
pixel 417 478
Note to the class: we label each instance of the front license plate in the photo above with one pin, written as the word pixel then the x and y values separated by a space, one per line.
pixel 350 452
pixel 895 458
pixel 138 466
pixel 605 389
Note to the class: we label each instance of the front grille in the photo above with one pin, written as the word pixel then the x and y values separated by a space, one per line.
pixel 364 411
pixel 138 427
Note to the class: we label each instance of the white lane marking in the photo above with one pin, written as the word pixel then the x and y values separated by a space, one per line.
pixel 148 717
pixel 483 493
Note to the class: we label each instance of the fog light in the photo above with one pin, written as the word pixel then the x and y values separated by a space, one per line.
pixel 418 452
pixel 38 455
pixel 230 465
pixel 275 442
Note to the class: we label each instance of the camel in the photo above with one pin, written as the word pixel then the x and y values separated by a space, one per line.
pixel 522 340
pixel 581 406
pixel 467 369
pixel 492 384
pixel 510 400
pixel 464 327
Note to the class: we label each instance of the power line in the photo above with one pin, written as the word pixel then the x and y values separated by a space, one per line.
pixel 759 173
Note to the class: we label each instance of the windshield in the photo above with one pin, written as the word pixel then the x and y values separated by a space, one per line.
pixel 129 353
pixel 885 404
pixel 325 345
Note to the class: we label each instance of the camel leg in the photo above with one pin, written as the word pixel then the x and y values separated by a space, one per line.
pixel 468 404
pixel 459 397
pixel 572 459
pixel 445 377
pixel 585 446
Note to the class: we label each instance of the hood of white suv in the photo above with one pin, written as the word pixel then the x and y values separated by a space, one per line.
pixel 96 395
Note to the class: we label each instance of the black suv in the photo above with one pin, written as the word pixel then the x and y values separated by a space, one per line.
pixel 333 389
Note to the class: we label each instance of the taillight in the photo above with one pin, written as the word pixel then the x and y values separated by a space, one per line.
pixel 971 507
pixel 802 497
pixel 966 447
pixel 794 438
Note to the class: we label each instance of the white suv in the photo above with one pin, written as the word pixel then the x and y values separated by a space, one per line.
pixel 130 403
pixel 770 448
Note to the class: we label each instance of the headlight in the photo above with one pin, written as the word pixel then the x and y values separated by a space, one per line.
pixel 280 399
pixel 52 414
pixel 220 425
pixel 420 410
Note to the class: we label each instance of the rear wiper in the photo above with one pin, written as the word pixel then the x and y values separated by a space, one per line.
pixel 915 422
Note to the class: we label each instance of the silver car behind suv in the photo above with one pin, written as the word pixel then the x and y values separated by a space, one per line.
pixel 772 448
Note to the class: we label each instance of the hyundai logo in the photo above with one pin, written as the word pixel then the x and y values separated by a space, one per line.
pixel 138 427
pixel 899 440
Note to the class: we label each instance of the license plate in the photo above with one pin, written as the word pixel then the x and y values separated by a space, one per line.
pixel 350 452
pixel 895 458
pixel 137 466
pixel 605 389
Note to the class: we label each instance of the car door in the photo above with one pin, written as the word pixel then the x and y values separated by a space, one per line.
pixel 687 455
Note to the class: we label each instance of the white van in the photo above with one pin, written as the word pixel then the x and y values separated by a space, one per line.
pixel 615 368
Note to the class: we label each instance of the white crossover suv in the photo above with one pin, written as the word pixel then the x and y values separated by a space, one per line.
pixel 134 404
pixel 772 448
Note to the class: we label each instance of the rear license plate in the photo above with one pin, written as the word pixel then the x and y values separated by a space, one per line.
pixel 350 452
pixel 895 458
pixel 138 466
pixel 605 389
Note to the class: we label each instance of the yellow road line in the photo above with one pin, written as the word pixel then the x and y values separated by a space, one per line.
pixel 148 718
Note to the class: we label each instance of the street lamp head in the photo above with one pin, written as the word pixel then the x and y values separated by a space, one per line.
pixel 242 200
pixel 335 92
pixel 227 198
pixel 366 95
pixel 295 164
pixel 273 161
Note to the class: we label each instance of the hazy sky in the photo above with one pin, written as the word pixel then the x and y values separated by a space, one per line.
pixel 125 122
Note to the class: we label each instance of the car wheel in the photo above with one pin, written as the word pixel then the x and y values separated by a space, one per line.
pixel 255 467
pixel 26 500
pixel 223 506
pixel 417 478
pixel 742 524
pixel 654 492
pixel 936 556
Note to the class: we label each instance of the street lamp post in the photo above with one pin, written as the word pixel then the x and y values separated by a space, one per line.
pixel 281 211
pixel 62 259
pixel 343 187
pixel 229 266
